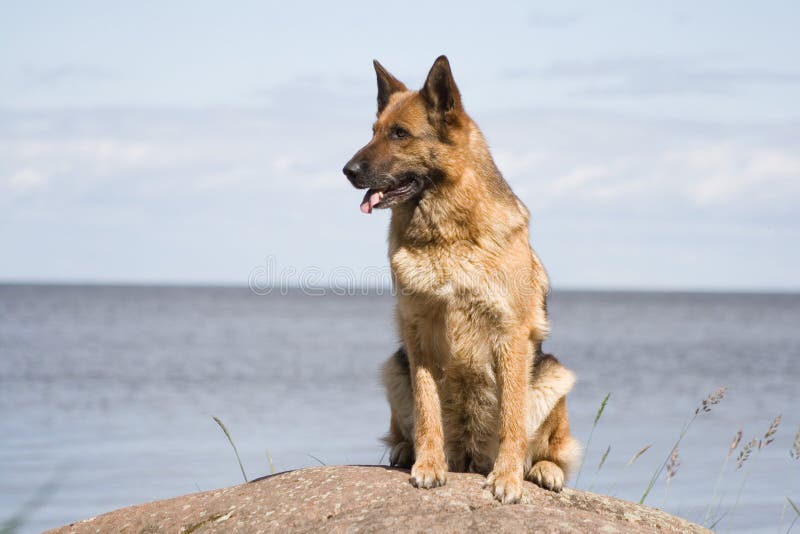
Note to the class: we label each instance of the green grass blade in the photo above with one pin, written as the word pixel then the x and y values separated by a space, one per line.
pixel 230 440
pixel 317 459
pixel 591 433
pixel 796 509
pixel 599 467
pixel 705 406
pixel 271 465
pixel 603 459
pixel 41 496
pixel 602 408
pixel 649 486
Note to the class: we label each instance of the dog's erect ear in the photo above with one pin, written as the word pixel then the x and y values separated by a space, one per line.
pixel 440 91
pixel 387 85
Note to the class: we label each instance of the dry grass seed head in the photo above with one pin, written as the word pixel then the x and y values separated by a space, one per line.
pixel 638 454
pixel 711 400
pixel 795 452
pixel 744 454
pixel 769 436
pixel 673 463
pixel 735 443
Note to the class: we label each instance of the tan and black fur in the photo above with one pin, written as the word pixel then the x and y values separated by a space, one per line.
pixel 470 389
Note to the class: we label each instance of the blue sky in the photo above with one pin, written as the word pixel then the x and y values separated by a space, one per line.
pixel 657 144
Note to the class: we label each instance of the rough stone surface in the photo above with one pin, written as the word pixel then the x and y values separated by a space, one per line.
pixel 379 499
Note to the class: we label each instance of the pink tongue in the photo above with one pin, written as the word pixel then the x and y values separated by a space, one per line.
pixel 369 202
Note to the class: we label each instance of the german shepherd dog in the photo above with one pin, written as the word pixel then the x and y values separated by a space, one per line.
pixel 470 388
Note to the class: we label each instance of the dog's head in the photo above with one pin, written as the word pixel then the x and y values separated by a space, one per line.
pixel 411 139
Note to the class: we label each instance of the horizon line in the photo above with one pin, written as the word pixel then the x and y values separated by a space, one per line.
pixel 293 287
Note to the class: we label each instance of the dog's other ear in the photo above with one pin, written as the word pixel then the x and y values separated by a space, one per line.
pixel 440 92
pixel 387 85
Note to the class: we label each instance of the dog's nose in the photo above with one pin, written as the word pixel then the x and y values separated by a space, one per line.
pixel 352 170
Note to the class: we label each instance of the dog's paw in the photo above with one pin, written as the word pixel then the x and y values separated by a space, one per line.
pixel 506 486
pixel 547 475
pixel 428 473
pixel 401 455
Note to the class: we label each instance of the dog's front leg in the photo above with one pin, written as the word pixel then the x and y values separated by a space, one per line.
pixel 430 467
pixel 512 369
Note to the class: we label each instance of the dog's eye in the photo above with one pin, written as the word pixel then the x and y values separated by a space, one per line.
pixel 399 133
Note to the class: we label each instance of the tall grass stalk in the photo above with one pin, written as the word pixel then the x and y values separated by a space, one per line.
pixel 317 459
pixel 794 454
pixel 40 497
pixel 599 467
pixel 269 460
pixel 705 407
pixel 672 469
pixel 794 507
pixel 757 445
pixel 737 438
pixel 591 432
pixel 796 514
pixel 630 462
pixel 745 453
pixel 230 440
pixel 741 459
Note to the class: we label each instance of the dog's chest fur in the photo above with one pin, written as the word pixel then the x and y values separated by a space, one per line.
pixel 448 301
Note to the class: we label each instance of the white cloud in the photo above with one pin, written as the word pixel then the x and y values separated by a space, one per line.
pixel 27 179
pixel 580 178
pixel 262 185
pixel 649 75
pixel 719 174
pixel 571 162
pixel 707 175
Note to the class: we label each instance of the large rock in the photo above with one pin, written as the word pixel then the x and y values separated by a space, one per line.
pixel 378 499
